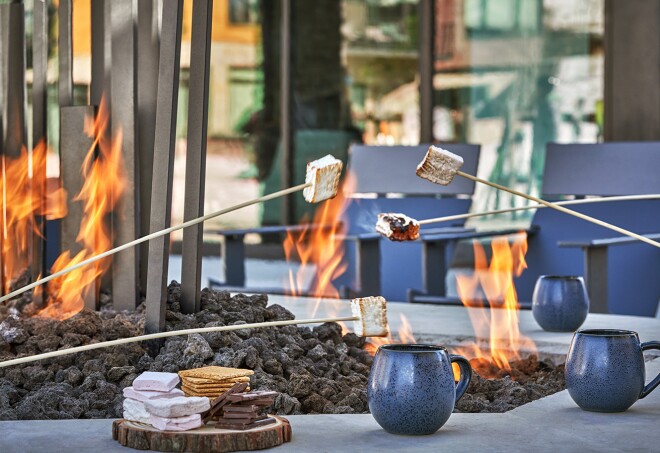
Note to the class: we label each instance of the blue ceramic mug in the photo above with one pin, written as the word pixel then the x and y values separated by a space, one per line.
pixel 411 388
pixel 605 369
pixel 560 304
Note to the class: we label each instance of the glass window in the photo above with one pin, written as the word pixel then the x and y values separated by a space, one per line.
pixel 521 73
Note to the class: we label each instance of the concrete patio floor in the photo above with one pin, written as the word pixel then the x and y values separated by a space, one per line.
pixel 553 423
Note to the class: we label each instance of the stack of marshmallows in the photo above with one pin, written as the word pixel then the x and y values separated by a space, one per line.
pixel 154 399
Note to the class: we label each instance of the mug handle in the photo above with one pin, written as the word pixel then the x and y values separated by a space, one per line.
pixel 466 374
pixel 655 382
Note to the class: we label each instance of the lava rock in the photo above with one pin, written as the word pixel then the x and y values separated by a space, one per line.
pixel 316 353
pixel 117 373
pixel 198 346
pixel 278 313
pixel 71 375
pixel 300 385
pixel 53 401
pixel 11 331
pixel 329 331
pixel 286 404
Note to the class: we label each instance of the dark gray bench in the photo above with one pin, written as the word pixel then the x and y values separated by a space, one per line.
pixel 621 273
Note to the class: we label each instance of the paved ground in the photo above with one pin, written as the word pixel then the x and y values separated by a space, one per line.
pixel 551 424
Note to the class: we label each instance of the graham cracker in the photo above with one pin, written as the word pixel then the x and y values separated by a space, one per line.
pixel 196 380
pixel 215 372
pixel 203 387
pixel 208 394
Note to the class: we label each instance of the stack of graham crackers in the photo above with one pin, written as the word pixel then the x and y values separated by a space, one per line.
pixel 212 381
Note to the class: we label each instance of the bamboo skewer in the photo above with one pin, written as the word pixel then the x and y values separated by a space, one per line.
pixel 561 209
pixel 172 333
pixel 536 206
pixel 157 234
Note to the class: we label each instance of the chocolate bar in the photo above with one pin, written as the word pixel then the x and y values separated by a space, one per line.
pixel 248 409
pixel 251 396
pixel 221 400
pixel 262 402
pixel 237 416
pixel 226 424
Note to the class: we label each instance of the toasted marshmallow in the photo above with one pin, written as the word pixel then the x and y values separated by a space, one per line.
pixel 372 314
pixel 439 166
pixel 397 227
pixel 324 175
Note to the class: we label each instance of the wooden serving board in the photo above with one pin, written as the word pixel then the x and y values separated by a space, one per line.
pixel 205 439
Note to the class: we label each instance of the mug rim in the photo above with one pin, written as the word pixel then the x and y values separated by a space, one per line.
pixel 410 348
pixel 607 332
pixel 561 277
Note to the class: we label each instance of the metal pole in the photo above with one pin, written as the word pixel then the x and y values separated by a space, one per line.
pixel 198 100
pixel 147 89
pixel 74 146
pixel 64 46
pixel 426 12
pixel 286 130
pixel 39 127
pixel 98 82
pixel 4 44
pixel 163 166
pixel 15 132
pixel 125 217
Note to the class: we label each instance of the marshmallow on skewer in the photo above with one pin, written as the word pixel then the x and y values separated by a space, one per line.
pixel 439 166
pixel 324 175
pixel 397 227
pixel 372 316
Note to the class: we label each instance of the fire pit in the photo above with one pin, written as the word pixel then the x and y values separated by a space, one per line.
pixel 315 370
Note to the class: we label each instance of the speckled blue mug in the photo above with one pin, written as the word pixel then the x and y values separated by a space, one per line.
pixel 411 388
pixel 560 303
pixel 605 369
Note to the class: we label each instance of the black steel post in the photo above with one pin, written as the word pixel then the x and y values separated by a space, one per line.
pixel 426 13
pixel 64 49
pixel 15 97
pixel 39 127
pixel 286 127
pixel 198 101
pixel 595 278
pixel 74 146
pixel 147 84
pixel 98 82
pixel 125 220
pixel 163 167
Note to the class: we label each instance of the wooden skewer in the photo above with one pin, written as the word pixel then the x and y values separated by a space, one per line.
pixel 561 209
pixel 536 206
pixel 164 232
pixel 173 333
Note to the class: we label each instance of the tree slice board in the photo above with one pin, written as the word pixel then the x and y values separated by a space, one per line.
pixel 208 438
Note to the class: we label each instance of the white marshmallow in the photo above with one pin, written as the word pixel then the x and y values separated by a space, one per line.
pixel 157 381
pixel 176 424
pixel 439 166
pixel 144 395
pixel 324 175
pixel 135 410
pixel 177 407
pixel 372 314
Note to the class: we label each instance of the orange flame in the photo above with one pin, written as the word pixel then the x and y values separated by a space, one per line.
pixel 19 207
pixel 320 244
pixel 497 327
pixel 105 182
